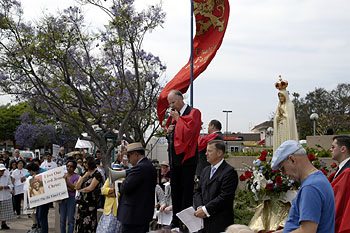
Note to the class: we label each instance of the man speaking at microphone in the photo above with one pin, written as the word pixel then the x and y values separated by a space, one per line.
pixel 182 133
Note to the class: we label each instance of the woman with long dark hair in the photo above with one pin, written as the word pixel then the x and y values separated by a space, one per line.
pixel 88 187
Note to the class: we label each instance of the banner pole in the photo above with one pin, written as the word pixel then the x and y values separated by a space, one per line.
pixel 191 73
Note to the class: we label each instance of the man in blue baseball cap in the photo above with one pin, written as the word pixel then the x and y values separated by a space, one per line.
pixel 313 208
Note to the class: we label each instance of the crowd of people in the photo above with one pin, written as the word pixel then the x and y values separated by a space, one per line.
pixel 196 175
pixel 88 190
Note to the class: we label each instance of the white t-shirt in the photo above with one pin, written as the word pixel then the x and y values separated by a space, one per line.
pixel 17 175
pixel 5 180
pixel 48 165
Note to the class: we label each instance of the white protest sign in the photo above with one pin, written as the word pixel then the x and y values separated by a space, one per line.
pixel 55 150
pixel 47 187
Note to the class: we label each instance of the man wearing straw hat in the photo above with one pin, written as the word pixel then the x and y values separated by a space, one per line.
pixel 137 192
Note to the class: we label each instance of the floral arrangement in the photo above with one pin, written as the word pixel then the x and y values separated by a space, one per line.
pixel 314 154
pixel 266 183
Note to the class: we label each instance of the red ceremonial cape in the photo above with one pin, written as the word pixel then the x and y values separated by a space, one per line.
pixel 211 22
pixel 341 187
pixel 187 131
pixel 203 140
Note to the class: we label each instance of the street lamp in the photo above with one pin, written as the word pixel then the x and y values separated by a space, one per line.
pixel 227 112
pixel 314 118
pixel 59 132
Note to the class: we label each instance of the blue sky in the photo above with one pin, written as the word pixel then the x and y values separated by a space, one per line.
pixel 306 41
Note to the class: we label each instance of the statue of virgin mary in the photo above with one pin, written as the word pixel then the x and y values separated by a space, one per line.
pixel 284 123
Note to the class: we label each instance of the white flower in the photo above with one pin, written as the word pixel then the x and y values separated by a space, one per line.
pixel 253 188
pixel 259 180
pixel 290 183
pixel 257 162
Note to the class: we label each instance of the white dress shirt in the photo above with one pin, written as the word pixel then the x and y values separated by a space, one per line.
pixel 341 165
pixel 183 109
pixel 18 184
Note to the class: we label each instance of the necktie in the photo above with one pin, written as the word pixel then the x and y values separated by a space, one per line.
pixel 213 169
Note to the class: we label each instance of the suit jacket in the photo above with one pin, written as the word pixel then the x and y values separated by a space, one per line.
pixel 202 158
pixel 217 195
pixel 137 194
pixel 346 165
pixel 332 176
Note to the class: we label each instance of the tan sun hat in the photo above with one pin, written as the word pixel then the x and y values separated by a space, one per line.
pixel 164 163
pixel 134 147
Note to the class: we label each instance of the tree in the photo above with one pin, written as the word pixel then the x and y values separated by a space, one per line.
pixel 10 120
pixel 35 132
pixel 333 108
pixel 340 121
pixel 85 79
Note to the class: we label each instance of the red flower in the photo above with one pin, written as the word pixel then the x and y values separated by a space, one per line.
pixel 269 186
pixel 334 165
pixel 248 174
pixel 324 171
pixel 263 155
pixel 275 171
pixel 242 177
pixel 331 177
pixel 278 180
pixel 311 157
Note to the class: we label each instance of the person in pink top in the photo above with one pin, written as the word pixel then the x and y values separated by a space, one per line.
pixel 67 206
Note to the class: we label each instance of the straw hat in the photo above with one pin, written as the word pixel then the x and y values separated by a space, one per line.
pixel 134 147
pixel 164 163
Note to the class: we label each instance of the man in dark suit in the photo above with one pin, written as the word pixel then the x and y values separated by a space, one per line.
pixel 183 129
pixel 137 191
pixel 214 198
pixel 340 182
pixel 214 133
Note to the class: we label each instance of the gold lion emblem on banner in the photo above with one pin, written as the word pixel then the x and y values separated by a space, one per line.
pixel 207 8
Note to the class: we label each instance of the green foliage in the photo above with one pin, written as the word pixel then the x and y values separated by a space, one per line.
pixel 333 108
pixel 10 119
pixel 251 153
pixel 319 151
pixel 244 207
pixel 241 153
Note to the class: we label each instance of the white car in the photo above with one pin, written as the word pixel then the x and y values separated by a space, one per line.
pixel 27 155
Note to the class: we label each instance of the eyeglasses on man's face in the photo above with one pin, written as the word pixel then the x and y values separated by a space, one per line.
pixel 281 168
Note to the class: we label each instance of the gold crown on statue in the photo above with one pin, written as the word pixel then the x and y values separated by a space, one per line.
pixel 281 84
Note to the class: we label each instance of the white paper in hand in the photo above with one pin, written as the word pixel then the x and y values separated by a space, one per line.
pixel 192 222
pixel 165 218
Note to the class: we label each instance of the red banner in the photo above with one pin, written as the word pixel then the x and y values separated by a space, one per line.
pixel 211 23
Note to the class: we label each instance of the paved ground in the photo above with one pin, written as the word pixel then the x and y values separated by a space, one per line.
pixel 23 224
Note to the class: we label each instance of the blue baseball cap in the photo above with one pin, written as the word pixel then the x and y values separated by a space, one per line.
pixel 286 149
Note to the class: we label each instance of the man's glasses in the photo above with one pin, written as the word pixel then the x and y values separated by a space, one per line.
pixel 281 166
